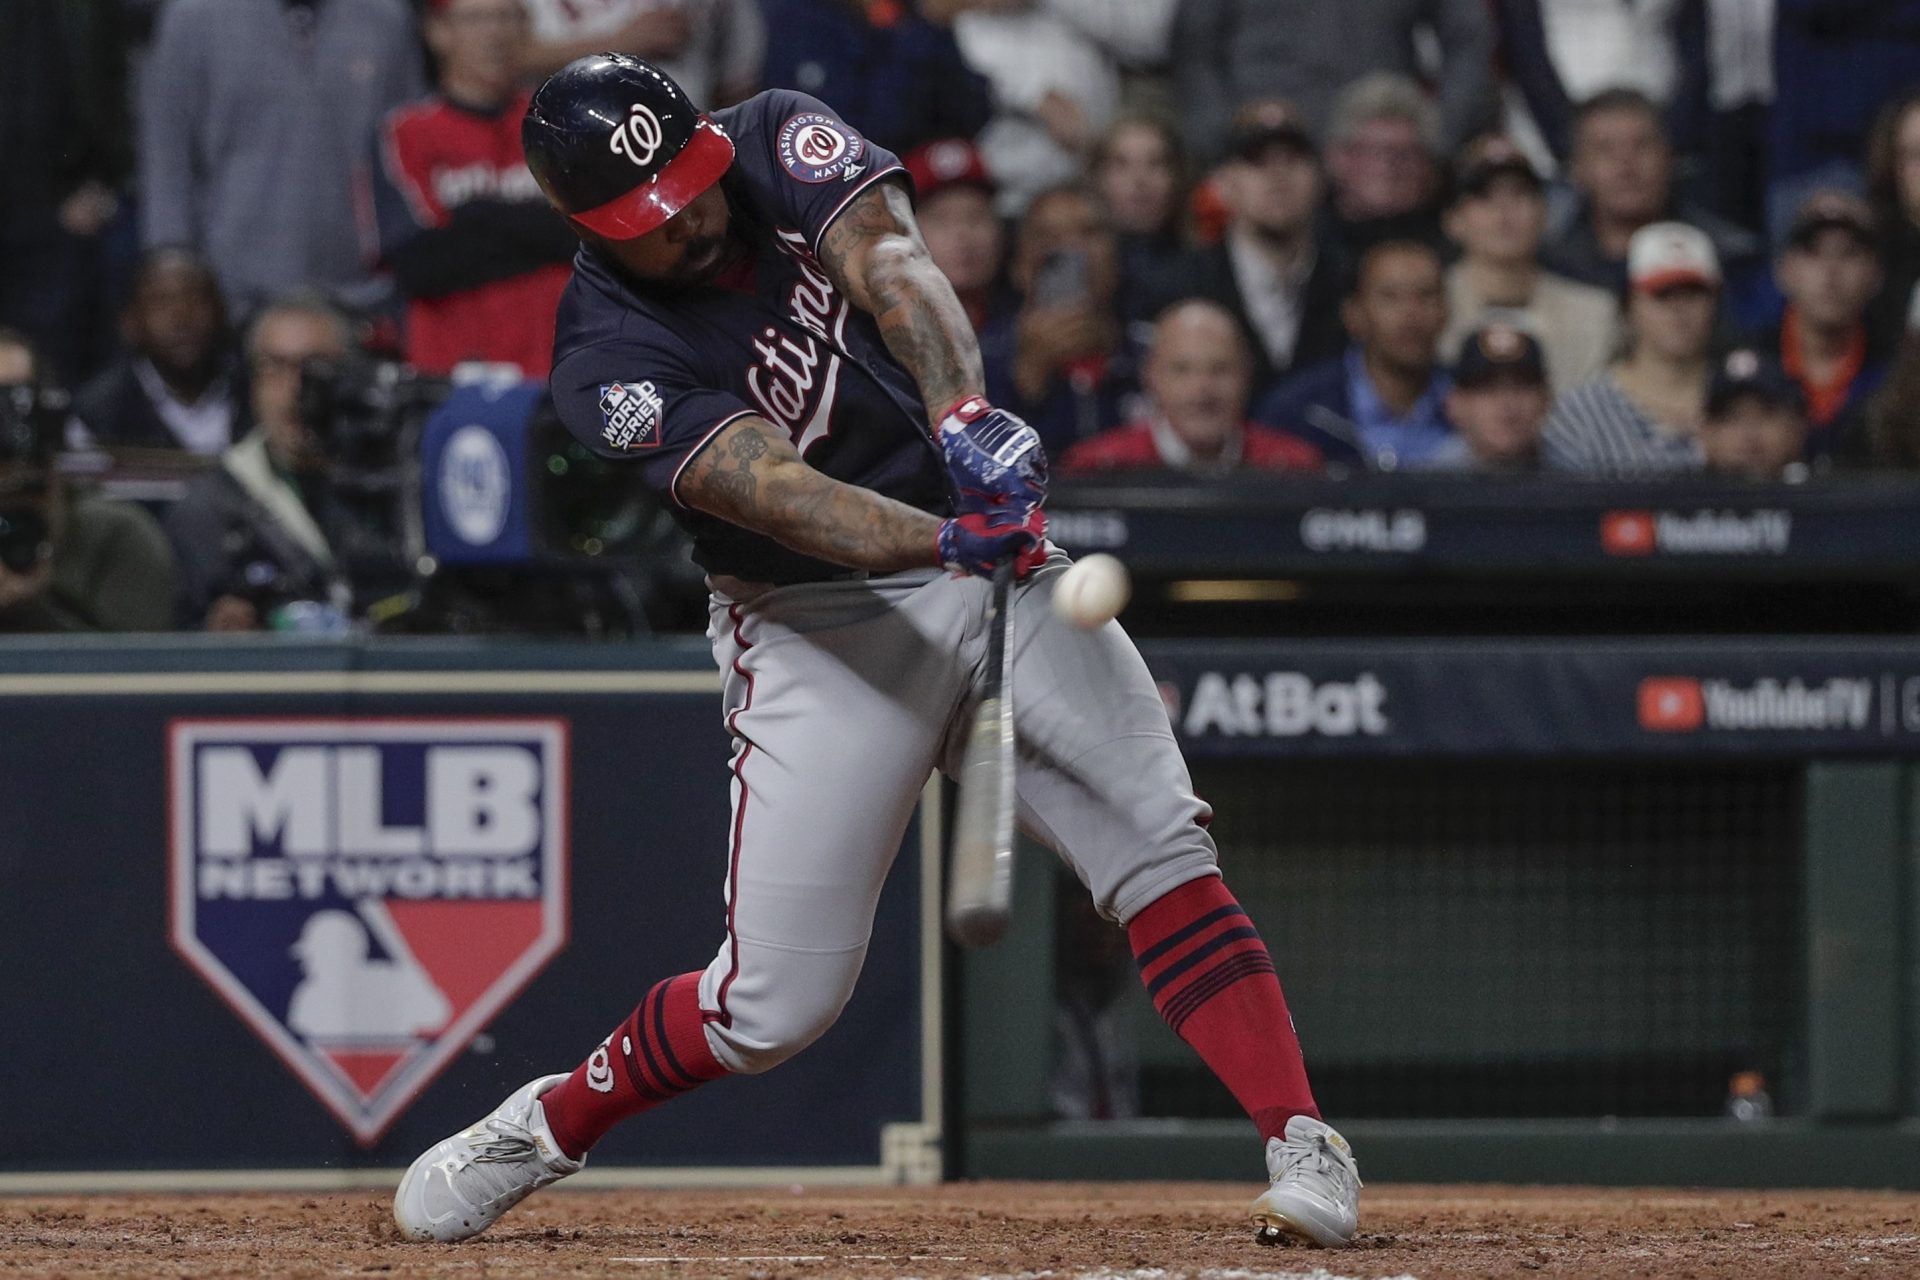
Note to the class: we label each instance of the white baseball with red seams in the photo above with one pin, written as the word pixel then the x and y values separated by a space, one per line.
pixel 1092 592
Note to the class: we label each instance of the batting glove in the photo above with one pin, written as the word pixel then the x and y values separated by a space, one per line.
pixel 994 459
pixel 975 543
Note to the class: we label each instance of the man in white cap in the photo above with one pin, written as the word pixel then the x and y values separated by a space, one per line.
pixel 1643 413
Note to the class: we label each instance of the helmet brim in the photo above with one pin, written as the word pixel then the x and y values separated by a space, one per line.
pixel 707 155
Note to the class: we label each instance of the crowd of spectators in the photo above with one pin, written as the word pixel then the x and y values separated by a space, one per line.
pixel 1338 236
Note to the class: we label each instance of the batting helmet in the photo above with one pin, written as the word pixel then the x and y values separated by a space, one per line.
pixel 618 147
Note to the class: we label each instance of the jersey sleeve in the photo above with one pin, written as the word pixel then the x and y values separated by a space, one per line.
pixel 805 162
pixel 642 403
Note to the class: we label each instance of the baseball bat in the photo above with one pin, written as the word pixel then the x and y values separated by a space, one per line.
pixel 980 877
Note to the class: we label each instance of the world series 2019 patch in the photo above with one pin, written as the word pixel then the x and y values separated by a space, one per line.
pixel 630 415
pixel 818 148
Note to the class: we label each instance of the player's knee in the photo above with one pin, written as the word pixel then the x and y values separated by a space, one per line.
pixel 766 1030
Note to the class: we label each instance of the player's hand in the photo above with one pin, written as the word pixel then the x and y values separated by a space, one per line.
pixel 995 460
pixel 977 543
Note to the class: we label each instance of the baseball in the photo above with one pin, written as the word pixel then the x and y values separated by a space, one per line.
pixel 1092 591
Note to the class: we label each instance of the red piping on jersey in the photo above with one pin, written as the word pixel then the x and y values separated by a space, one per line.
pixel 841 207
pixel 673 485
pixel 707 155
pixel 721 1015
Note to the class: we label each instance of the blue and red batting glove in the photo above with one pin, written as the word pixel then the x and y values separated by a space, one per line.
pixel 994 460
pixel 977 543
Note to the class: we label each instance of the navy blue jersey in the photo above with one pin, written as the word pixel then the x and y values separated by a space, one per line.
pixel 650 376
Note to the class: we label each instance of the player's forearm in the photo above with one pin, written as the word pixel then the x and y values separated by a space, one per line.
pixel 925 327
pixel 751 477
pixel 875 255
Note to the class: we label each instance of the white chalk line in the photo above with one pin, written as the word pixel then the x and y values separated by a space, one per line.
pixel 664 1258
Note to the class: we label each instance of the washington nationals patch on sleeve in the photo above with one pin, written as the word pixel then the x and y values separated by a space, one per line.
pixel 818 148
pixel 630 415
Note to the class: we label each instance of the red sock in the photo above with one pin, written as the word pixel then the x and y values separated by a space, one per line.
pixel 658 1053
pixel 1212 980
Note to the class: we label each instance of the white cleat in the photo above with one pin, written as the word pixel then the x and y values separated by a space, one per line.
pixel 461 1186
pixel 1315 1191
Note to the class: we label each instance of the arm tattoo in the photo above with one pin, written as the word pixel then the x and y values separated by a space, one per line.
pixel 750 475
pixel 875 256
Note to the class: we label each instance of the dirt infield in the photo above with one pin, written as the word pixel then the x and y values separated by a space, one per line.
pixel 1103 1231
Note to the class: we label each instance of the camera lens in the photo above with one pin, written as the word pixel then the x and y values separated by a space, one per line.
pixel 23 539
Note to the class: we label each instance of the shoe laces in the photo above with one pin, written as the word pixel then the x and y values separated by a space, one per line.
pixel 1317 1156
pixel 509 1143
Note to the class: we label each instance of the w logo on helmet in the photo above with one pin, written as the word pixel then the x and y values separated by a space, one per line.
pixel 639 138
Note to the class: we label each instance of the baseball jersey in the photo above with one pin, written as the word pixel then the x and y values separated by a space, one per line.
pixel 434 157
pixel 650 376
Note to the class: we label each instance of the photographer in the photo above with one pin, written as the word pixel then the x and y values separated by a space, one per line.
pixel 264 531
pixel 69 560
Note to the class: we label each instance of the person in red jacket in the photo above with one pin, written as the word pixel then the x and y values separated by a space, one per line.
pixel 1197 378
pixel 457 217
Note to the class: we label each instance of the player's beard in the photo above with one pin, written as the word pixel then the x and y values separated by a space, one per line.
pixel 705 258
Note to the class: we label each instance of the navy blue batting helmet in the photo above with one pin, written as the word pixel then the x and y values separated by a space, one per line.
pixel 618 147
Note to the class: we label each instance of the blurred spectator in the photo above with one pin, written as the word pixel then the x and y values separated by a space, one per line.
pixel 1622 169
pixel 1893 419
pixel 1140 172
pixel 1560 52
pixel 1227 51
pixel 175 388
pixel 1498 404
pixel 1837 63
pixel 1732 106
pixel 1270 269
pixel 1829 270
pixel 1893 187
pixel 1383 159
pixel 69 560
pixel 473 246
pixel 1071 372
pixel 712 48
pixel 895 75
pixel 1382 405
pixel 1054 92
pixel 261 530
pixel 1756 424
pixel 1643 414
pixel 1498 217
pixel 253 133
pixel 64 151
pixel 953 203
pixel 1197 387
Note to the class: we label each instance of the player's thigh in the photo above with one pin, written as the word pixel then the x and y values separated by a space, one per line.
pixel 1100 776
pixel 838 712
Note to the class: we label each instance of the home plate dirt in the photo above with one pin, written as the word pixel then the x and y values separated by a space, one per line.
pixel 1106 1231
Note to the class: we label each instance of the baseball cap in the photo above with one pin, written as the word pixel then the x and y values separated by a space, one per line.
pixel 1268 122
pixel 947 162
pixel 1749 371
pixel 1832 210
pixel 1488 157
pixel 1498 352
pixel 1665 254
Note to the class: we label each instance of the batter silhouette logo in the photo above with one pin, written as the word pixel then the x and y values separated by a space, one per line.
pixel 368 894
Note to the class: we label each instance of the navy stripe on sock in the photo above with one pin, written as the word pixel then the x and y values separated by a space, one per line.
pixel 635 1076
pixel 666 1045
pixel 1181 934
pixel 1189 1002
pixel 666 1088
pixel 1198 954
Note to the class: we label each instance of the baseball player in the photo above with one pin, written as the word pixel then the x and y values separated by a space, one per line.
pixel 755 326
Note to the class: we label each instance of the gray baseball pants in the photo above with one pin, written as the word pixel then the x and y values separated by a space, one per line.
pixel 842 698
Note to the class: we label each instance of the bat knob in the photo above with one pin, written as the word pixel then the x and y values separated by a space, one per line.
pixel 976 926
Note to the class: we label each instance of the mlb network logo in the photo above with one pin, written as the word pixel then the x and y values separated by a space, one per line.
pixel 367 894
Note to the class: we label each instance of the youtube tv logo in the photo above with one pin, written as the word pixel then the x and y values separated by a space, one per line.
pixel 1628 533
pixel 1672 704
